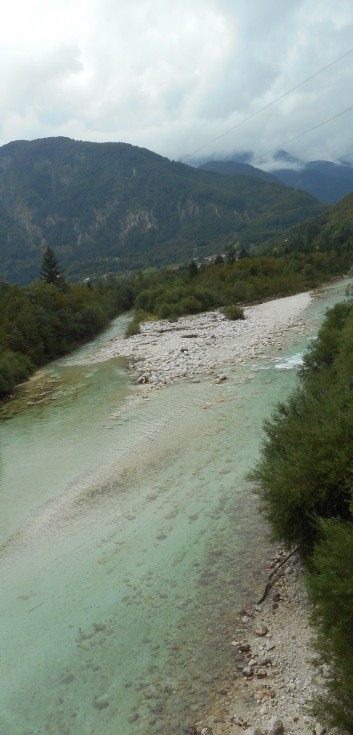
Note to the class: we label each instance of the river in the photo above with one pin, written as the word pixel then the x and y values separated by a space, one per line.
pixel 130 539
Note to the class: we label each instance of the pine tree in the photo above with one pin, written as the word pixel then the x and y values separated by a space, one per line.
pixel 50 270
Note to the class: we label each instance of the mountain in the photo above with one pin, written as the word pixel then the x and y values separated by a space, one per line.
pixel 330 232
pixel 328 182
pixel 236 167
pixel 105 207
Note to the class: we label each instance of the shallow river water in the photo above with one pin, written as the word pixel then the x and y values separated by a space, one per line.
pixel 130 540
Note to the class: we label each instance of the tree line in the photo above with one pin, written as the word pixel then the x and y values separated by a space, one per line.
pixel 305 483
pixel 50 317
pixel 231 281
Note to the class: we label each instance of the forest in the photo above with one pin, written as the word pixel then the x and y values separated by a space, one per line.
pixel 49 318
pixel 305 484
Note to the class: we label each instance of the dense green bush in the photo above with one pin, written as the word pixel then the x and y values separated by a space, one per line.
pixel 171 311
pixel 133 328
pixel 14 368
pixel 233 312
pixel 305 482
pixel 305 467
pixel 331 588
pixel 44 321
pixel 304 471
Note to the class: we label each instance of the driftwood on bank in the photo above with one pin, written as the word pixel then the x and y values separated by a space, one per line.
pixel 274 572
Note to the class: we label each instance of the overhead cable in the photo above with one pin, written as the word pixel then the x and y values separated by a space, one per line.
pixel 273 102
pixel 305 132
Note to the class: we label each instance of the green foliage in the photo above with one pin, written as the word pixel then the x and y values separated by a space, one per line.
pixel 42 322
pixel 331 588
pixel 305 476
pixel 190 305
pixel 193 269
pixel 14 368
pixel 233 312
pixel 170 293
pixel 305 467
pixel 170 311
pixel 50 271
pixel 325 349
pixel 133 327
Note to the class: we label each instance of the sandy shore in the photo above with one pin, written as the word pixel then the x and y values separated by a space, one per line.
pixel 275 668
pixel 165 352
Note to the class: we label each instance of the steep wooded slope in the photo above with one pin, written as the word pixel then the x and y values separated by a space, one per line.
pixel 112 206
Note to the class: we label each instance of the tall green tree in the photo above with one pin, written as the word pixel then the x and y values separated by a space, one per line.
pixel 50 270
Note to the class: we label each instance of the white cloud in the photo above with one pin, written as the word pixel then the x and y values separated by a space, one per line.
pixel 173 76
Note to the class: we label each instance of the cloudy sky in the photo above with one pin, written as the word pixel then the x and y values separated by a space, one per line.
pixel 181 77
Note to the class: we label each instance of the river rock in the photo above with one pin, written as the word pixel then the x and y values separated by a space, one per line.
pixel 247 671
pixel 261 673
pixel 221 378
pixel 319 729
pixel 261 630
pixel 244 647
pixel 276 727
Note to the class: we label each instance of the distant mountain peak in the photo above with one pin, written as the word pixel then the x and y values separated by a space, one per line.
pixel 282 155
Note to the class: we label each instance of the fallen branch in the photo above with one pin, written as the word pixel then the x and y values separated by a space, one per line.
pixel 274 572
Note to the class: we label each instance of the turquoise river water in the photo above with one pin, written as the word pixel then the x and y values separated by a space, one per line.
pixel 130 540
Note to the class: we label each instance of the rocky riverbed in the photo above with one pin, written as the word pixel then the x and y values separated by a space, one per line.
pixel 166 352
pixel 276 672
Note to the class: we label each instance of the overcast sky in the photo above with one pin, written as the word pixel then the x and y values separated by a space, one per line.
pixel 174 75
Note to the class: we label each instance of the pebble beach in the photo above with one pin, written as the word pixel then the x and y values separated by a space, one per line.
pixel 165 352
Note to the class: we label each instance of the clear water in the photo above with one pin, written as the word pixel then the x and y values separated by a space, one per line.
pixel 130 540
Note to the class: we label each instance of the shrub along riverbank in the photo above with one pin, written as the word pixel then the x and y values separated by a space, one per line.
pixel 305 476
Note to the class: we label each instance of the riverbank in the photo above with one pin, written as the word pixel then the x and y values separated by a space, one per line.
pixel 275 668
pixel 165 352
pixel 276 671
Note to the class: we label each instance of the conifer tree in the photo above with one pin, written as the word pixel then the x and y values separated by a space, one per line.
pixel 50 270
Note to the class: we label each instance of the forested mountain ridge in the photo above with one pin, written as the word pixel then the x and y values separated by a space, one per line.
pixel 331 231
pixel 237 167
pixel 327 181
pixel 106 207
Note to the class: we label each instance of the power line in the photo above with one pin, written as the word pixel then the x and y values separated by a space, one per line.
pixel 309 130
pixel 273 102
pixel 341 158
